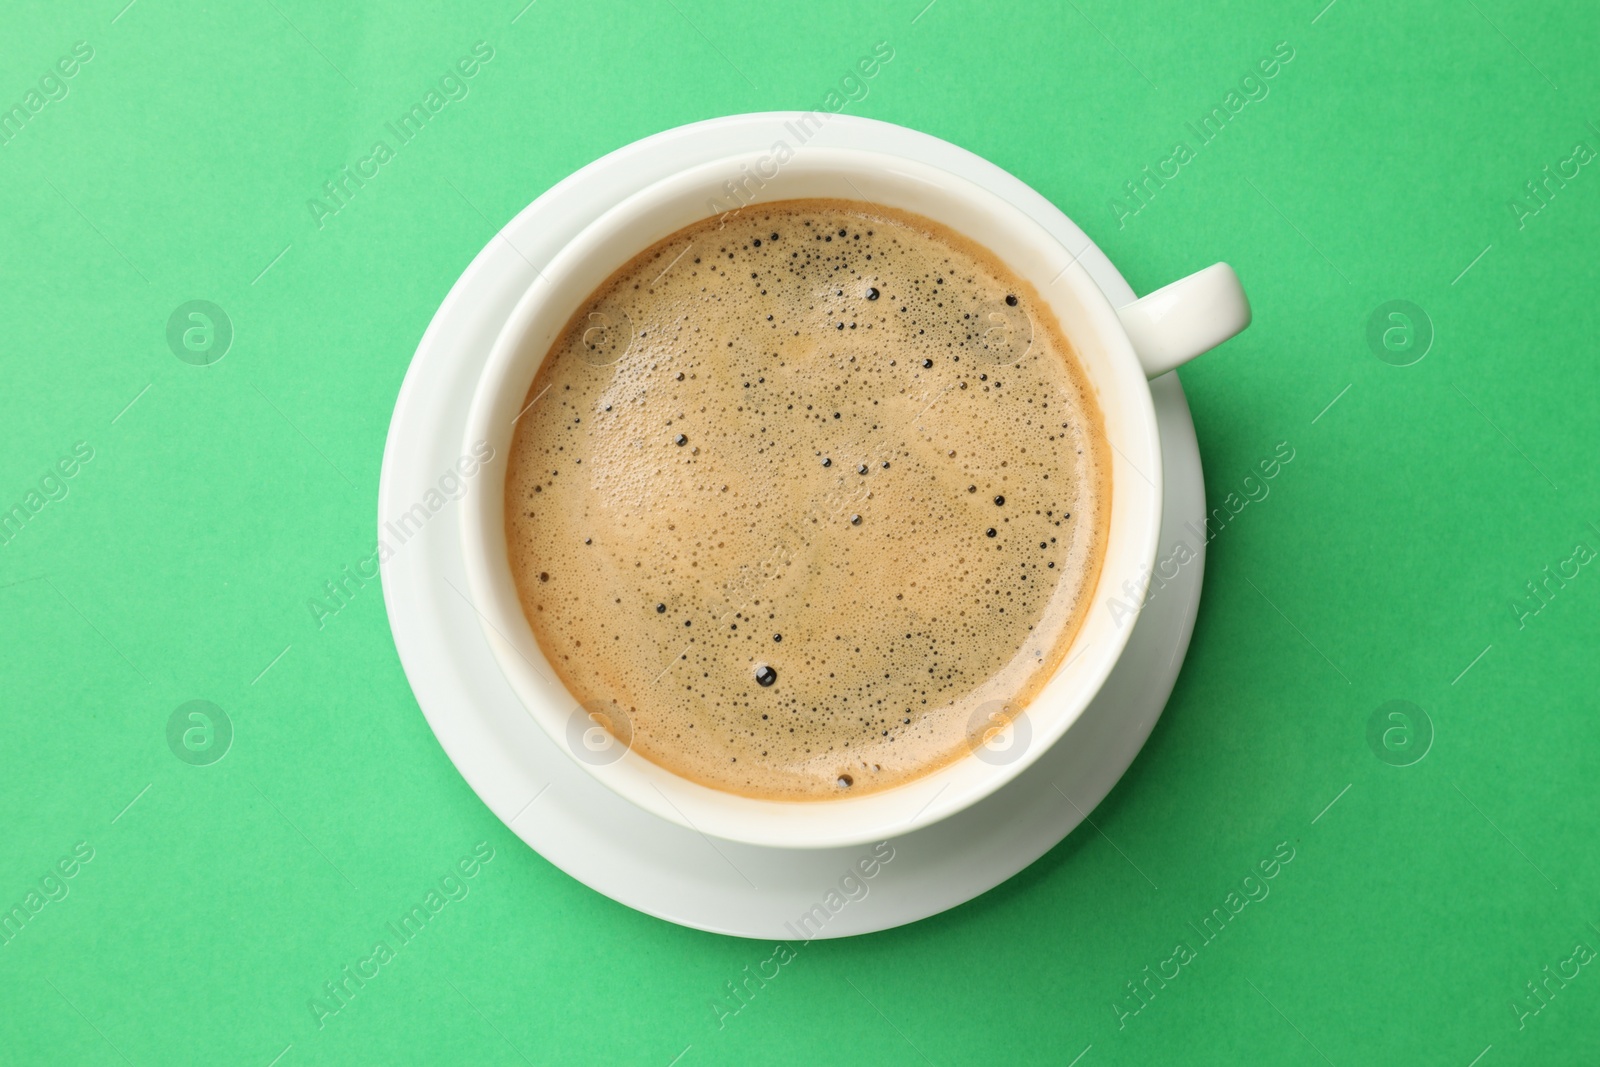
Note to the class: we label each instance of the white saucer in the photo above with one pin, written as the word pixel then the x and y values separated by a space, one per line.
pixel 572 820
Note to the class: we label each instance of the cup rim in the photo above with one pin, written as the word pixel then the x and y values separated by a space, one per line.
pixel 547 306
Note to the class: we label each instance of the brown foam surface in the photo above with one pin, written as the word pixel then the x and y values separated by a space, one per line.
pixel 822 445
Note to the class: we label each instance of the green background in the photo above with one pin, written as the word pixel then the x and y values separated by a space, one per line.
pixel 1384 565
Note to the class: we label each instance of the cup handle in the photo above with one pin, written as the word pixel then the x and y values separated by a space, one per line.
pixel 1191 315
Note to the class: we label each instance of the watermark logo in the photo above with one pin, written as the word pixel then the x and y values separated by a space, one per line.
pixel 1399 333
pixel 52 486
pixel 1006 335
pixel 1545 986
pixel 597 734
pixel 1399 733
pixel 1543 587
pixel 608 337
pixel 52 88
pixel 1252 88
pixel 199 733
pixel 453 86
pixel 1255 487
pixel 1254 887
pixel 739 192
pixel 998 733
pixel 199 332
pixel 852 886
pixel 53 886
pixel 352 979
pixel 1538 192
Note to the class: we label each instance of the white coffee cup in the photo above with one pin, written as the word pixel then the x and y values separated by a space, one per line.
pixel 1119 350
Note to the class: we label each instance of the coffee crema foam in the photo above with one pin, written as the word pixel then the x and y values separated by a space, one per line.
pixel 807 501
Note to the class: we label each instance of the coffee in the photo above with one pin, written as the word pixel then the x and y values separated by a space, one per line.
pixel 805 500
